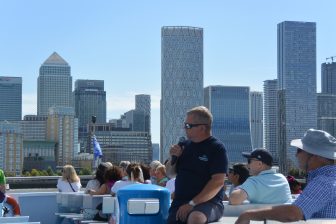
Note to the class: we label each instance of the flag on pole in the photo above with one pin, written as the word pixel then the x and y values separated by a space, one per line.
pixel 97 152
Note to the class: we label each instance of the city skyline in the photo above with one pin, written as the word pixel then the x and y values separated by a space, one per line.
pixel 120 43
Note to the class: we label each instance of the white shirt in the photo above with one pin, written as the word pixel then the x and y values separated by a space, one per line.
pixel 170 185
pixel 64 186
pixel 120 184
pixel 92 185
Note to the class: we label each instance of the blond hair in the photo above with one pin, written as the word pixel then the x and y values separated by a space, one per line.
pixel 161 169
pixel 69 174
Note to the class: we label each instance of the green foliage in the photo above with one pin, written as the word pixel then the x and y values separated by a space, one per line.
pixel 85 171
pixel 50 172
pixel 9 174
pixel 26 174
pixel 297 173
pixel 34 173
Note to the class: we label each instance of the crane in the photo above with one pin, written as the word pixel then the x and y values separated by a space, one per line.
pixel 332 58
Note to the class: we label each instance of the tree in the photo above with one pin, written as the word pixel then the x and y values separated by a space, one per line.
pixel 50 172
pixel 34 173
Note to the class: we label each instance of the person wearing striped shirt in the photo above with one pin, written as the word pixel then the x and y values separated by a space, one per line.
pixel 316 154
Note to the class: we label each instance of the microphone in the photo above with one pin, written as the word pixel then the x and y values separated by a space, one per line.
pixel 181 144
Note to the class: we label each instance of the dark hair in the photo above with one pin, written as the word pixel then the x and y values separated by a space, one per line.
pixel 134 172
pixel 145 171
pixel 242 171
pixel 100 172
pixel 113 173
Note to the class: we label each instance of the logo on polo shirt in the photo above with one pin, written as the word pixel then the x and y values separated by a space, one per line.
pixel 203 158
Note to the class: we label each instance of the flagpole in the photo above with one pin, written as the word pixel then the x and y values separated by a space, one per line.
pixel 93 119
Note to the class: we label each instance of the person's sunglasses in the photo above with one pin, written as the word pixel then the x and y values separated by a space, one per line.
pixel 190 126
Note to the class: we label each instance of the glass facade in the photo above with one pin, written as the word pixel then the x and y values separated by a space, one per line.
pixel 270 117
pixel 10 98
pixel 297 102
pixel 328 78
pixel 54 85
pixel 326 101
pixel 120 144
pixel 326 113
pixel 143 103
pixel 256 119
pixel 230 109
pixel 181 80
pixel 135 120
pixel 90 100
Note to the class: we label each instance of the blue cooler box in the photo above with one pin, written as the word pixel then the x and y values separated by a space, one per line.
pixel 144 204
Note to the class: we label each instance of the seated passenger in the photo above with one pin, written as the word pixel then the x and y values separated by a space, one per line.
pixel 161 177
pixel 170 185
pixel 146 173
pixel 294 185
pixel 135 176
pixel 237 176
pixel 111 176
pixel 265 186
pixel 98 180
pixel 316 154
pixel 123 165
pixel 69 182
pixel 153 165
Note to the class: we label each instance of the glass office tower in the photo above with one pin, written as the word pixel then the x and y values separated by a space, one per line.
pixel 10 98
pixel 181 80
pixel 256 119
pixel 297 102
pixel 54 85
pixel 143 103
pixel 229 106
pixel 270 117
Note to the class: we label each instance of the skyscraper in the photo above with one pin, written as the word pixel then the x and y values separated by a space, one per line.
pixel 328 78
pixel 326 113
pixel 270 117
pixel 136 120
pixel 10 98
pixel 297 102
pixel 143 103
pixel 256 119
pixel 229 106
pixel 326 100
pixel 181 80
pixel 90 99
pixel 54 85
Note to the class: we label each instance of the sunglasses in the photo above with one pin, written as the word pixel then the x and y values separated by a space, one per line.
pixel 190 126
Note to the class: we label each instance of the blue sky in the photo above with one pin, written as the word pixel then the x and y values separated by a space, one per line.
pixel 120 42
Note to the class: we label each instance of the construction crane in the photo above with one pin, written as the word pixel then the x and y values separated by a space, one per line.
pixel 331 58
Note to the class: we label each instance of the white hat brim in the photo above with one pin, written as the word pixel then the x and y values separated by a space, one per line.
pixel 297 143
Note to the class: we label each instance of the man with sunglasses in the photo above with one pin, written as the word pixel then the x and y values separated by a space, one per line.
pixel 316 153
pixel 201 167
pixel 265 186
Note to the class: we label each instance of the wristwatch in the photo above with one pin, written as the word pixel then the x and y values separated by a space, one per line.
pixel 192 203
